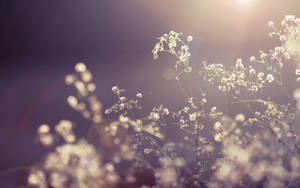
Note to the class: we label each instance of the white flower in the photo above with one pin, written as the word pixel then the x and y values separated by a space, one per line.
pixel 139 95
pixel 155 116
pixel 115 89
pixel 271 24
pixel 189 38
pixel 240 118
pixel 287 56
pixel 252 59
pixel 270 78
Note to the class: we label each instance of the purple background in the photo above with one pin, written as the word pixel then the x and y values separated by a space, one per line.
pixel 41 41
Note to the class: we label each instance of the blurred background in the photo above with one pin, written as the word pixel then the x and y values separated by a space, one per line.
pixel 41 41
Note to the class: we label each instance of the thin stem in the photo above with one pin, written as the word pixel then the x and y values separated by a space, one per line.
pixel 284 91
pixel 14 169
pixel 264 102
pixel 182 89
pixel 196 149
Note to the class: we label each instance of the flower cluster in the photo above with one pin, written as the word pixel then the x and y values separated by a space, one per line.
pixel 177 47
pixel 85 101
pixel 200 145
pixel 123 104
pixel 288 34
pixel 74 163
pixel 250 157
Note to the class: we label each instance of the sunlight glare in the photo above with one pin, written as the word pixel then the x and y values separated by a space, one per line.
pixel 246 6
pixel 244 1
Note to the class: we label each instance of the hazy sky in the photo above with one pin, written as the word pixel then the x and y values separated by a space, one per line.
pixel 40 41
